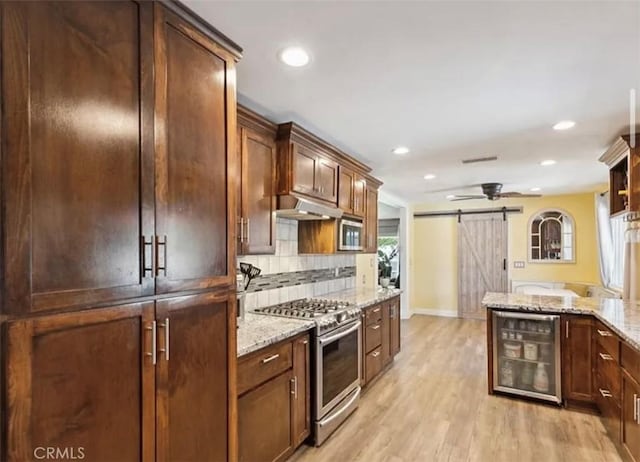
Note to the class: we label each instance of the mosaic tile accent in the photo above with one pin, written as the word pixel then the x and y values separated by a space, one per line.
pixel 296 278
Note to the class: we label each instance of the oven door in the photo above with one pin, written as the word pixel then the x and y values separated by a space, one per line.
pixel 351 235
pixel 337 366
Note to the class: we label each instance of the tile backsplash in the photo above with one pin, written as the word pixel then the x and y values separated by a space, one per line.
pixel 288 276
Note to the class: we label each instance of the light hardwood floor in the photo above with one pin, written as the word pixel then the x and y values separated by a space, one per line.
pixel 432 405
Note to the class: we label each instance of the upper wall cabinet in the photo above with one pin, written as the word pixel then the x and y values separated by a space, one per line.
pixel 351 192
pixel 307 165
pixel 257 186
pixel 195 136
pixel 623 159
pixel 83 221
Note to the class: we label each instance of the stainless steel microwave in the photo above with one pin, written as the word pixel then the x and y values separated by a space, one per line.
pixel 351 235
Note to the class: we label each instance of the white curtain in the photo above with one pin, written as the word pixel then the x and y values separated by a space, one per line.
pixel 605 239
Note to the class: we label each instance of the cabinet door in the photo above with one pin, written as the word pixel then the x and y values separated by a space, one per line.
pixel 304 170
pixel 394 315
pixel 630 417
pixel 386 334
pixel 82 380
pixel 327 180
pixel 195 138
pixel 258 193
pixel 301 418
pixel 371 221
pixel 345 190
pixel 264 421
pixel 359 196
pixel 196 344
pixel 77 152
pixel 578 353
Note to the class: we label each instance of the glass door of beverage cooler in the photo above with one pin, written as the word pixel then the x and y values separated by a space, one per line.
pixel 526 355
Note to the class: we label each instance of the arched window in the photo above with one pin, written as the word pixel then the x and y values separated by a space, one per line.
pixel 551 237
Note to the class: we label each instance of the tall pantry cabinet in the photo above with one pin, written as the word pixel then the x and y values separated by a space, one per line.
pixel 118 131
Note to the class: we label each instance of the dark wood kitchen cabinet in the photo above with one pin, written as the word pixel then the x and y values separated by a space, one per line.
pixel 371 220
pixel 73 375
pixel 195 158
pixel 351 192
pixel 77 152
pixel 314 174
pixel 381 337
pixel 116 118
pixel 623 160
pixel 274 400
pixel 630 419
pixel 257 174
pixel 578 358
pixel 109 194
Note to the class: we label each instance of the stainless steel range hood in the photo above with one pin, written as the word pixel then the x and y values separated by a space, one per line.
pixel 300 208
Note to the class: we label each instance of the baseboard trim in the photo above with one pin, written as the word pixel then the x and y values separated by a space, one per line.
pixel 440 313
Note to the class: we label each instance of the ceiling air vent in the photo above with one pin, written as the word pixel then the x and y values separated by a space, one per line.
pixel 479 159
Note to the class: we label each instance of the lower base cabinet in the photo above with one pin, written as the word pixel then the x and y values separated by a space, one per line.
pixel 274 415
pixel 381 337
pixel 631 417
pixel 122 383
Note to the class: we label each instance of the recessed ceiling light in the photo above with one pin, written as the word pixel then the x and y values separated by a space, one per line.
pixel 294 57
pixel 451 196
pixel 535 189
pixel 429 176
pixel 546 163
pixel 401 150
pixel 564 125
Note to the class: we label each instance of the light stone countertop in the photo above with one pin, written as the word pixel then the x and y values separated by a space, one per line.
pixel 259 331
pixel 621 316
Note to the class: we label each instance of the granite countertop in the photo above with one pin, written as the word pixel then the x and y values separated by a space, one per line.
pixel 621 316
pixel 258 330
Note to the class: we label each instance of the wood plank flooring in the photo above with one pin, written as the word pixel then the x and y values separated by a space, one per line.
pixel 432 405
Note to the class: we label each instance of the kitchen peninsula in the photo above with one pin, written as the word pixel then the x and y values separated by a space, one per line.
pixel 599 357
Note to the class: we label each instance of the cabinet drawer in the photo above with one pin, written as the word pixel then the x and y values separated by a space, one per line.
pixel 263 365
pixel 609 376
pixel 373 314
pixel 373 336
pixel 611 416
pixel 630 360
pixel 608 340
pixel 373 363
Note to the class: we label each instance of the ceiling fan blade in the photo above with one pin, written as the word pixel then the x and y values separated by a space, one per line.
pixel 456 188
pixel 467 198
pixel 517 195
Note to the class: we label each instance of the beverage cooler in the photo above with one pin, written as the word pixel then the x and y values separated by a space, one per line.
pixel 526 355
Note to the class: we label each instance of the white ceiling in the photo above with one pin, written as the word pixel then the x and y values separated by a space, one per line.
pixel 450 80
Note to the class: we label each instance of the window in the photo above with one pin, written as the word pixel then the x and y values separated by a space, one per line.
pixel 618 227
pixel 551 237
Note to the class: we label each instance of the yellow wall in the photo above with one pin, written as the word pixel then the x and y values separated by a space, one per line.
pixel 433 262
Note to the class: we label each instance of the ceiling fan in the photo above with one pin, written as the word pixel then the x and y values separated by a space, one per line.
pixel 492 192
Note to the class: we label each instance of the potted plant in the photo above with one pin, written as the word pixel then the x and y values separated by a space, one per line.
pixel 384 265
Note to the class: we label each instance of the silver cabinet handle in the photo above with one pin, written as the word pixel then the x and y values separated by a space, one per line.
pixel 606 357
pixel 376 327
pixel 270 358
pixel 377 310
pixel 248 230
pixel 304 342
pixel 605 393
pixel 566 329
pixel 636 418
pixel 241 220
pixel 375 354
pixel 294 387
pixel 153 354
pixel 604 333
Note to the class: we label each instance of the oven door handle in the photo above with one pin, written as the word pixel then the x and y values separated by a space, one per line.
pixel 339 335
pixel 341 410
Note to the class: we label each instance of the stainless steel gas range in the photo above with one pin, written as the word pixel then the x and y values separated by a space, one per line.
pixel 337 356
